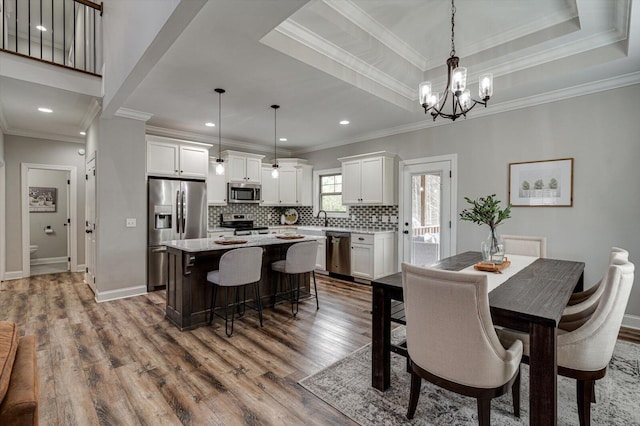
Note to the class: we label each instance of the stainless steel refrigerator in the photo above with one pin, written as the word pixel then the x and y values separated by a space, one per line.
pixel 177 210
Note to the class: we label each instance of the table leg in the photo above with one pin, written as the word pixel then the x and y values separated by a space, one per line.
pixel 381 339
pixel 543 373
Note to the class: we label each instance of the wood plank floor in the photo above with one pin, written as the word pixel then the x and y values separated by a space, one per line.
pixel 121 362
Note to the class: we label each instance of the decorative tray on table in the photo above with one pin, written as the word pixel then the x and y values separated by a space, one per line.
pixel 230 242
pixel 289 237
pixel 491 266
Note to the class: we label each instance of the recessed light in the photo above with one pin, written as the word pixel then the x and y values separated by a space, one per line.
pixel 344 122
pixel 210 124
pixel 283 139
pixel 43 109
pixel 83 133
pixel 41 28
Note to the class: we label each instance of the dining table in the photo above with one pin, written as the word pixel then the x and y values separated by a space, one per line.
pixel 529 295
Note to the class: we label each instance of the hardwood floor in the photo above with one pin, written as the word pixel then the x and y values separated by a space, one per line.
pixel 121 362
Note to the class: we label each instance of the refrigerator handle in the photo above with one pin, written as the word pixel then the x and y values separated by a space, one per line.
pixel 184 220
pixel 178 212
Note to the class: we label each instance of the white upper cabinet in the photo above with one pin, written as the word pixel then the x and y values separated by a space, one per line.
pixel 216 185
pixel 243 167
pixel 291 188
pixel 369 179
pixel 171 157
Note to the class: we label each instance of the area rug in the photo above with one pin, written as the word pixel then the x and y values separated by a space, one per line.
pixel 346 385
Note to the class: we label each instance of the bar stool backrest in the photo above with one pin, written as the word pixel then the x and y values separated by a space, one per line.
pixel 301 257
pixel 240 266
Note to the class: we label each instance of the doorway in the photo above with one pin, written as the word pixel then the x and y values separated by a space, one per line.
pixel 90 223
pixel 427 203
pixel 48 219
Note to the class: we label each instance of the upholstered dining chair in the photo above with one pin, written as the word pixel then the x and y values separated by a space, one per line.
pixel 583 354
pixel 525 245
pixel 237 268
pixel 451 340
pixel 583 304
pixel 300 259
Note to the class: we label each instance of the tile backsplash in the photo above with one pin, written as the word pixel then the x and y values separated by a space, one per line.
pixel 270 216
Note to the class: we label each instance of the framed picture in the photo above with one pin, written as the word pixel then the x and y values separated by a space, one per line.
pixel 42 200
pixel 541 183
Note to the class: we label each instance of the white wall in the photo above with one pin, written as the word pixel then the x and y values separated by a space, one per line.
pixel 121 193
pixel 599 131
pixel 18 150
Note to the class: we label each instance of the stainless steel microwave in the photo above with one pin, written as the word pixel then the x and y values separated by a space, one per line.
pixel 243 192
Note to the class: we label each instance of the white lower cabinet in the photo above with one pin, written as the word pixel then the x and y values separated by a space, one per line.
pixel 321 258
pixel 373 255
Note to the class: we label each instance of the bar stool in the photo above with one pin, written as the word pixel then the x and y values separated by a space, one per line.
pixel 300 259
pixel 237 268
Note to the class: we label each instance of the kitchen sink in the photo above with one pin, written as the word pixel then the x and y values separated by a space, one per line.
pixel 310 230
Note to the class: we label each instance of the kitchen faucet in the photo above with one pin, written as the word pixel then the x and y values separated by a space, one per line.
pixel 326 221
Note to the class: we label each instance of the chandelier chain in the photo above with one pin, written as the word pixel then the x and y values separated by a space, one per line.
pixel 453 13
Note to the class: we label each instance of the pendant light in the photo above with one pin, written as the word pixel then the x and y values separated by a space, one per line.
pixel 219 160
pixel 274 172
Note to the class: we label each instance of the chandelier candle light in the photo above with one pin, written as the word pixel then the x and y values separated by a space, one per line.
pixel 219 160
pixel 461 101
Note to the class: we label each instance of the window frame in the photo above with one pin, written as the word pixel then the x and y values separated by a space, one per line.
pixel 316 192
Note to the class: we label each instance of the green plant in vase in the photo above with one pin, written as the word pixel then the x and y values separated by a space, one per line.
pixel 486 211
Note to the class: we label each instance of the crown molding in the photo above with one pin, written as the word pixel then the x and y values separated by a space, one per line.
pixel 133 114
pixel 304 36
pixel 531 101
pixel 360 18
pixel 197 137
pixel 46 136
pixel 90 115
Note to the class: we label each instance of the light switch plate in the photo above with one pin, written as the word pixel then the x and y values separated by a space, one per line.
pixel 131 222
pixel 394 219
pixel 353 217
pixel 385 218
pixel 374 218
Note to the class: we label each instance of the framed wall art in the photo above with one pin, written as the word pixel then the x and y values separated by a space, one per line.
pixel 541 183
pixel 42 199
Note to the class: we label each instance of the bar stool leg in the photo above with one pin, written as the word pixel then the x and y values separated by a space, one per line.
pixel 233 312
pixel 258 301
pixel 315 289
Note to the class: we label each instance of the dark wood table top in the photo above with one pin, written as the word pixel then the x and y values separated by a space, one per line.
pixel 536 294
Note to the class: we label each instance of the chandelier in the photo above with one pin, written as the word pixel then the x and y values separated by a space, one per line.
pixel 461 101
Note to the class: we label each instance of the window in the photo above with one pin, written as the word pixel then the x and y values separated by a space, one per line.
pixel 331 193
pixel 327 185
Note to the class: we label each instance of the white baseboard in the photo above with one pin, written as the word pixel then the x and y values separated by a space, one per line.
pixel 631 321
pixel 121 293
pixel 12 275
pixel 48 260
pixel 81 268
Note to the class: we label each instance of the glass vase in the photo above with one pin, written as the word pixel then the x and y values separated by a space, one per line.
pixel 492 248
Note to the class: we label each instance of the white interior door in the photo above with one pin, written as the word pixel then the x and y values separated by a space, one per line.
pixel 427 204
pixel 90 225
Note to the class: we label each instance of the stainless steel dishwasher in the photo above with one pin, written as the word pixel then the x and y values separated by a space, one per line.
pixel 338 252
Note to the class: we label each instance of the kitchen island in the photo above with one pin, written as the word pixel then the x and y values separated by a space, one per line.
pixel 189 261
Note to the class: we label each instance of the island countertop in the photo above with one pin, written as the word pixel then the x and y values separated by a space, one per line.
pixel 196 245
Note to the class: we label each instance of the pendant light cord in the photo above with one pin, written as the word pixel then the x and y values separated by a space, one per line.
pixel 219 92
pixel 453 14
pixel 275 135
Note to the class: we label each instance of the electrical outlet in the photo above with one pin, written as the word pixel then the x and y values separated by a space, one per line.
pixel 374 219
pixel 268 216
pixel 353 217
pixel 394 219
pixel 131 222
pixel 385 219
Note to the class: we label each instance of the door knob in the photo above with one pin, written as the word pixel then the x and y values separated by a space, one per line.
pixel 88 231
pixel 406 232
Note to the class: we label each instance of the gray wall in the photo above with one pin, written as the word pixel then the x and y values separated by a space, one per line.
pixel 18 150
pixel 121 193
pixel 54 244
pixel 599 131
pixel 3 234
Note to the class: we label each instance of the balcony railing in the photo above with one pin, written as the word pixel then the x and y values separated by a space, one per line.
pixel 60 32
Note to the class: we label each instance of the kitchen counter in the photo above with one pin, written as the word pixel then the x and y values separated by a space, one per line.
pixel 206 244
pixel 188 262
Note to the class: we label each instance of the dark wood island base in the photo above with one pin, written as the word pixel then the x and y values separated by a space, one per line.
pixel 189 295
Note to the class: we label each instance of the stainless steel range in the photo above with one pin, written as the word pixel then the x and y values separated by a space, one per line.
pixel 242 223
